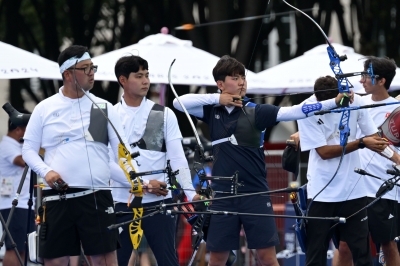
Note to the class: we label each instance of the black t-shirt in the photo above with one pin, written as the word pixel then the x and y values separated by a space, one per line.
pixel 229 158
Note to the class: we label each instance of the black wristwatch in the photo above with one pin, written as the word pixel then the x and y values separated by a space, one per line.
pixel 361 144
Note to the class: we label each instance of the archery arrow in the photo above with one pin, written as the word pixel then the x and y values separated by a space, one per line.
pixel 192 26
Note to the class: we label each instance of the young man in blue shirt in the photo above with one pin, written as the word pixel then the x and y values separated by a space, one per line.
pixel 237 129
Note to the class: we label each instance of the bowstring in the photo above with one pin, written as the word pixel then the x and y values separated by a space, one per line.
pixel 258 36
pixel 87 155
pixel 247 69
pixel 165 154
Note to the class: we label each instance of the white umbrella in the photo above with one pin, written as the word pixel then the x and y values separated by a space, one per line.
pixel 300 73
pixel 16 63
pixel 193 66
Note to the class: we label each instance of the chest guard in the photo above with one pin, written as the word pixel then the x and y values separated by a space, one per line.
pixel 98 124
pixel 246 133
pixel 153 137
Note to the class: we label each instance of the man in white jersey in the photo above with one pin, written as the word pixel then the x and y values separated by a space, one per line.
pixel 11 169
pixel 333 188
pixel 382 215
pixel 152 130
pixel 77 203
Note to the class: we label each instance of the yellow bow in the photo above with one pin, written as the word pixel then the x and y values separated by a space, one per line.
pixel 135 228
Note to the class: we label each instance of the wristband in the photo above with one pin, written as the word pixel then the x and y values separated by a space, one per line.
pixel 388 152
pixel 309 108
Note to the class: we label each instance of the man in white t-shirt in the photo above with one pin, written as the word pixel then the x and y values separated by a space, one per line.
pixel 11 170
pixel 77 205
pixel 382 215
pixel 152 130
pixel 333 188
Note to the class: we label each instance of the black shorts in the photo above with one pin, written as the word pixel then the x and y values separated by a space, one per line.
pixel 383 220
pixel 354 232
pixel 18 226
pixel 75 221
pixel 224 230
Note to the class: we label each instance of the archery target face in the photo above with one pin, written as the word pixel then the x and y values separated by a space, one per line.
pixel 391 127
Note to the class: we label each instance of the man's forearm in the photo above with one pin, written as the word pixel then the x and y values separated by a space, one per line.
pixel 332 151
pixel 194 103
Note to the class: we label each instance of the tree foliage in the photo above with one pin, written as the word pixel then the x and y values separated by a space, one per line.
pixel 48 26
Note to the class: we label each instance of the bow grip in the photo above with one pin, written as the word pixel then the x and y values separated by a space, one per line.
pixel 345 101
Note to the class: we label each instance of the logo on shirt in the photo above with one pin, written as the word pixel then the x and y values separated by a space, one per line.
pixel 320 122
pixel 364 219
pixel 56 114
pixel 217 116
pixel 387 115
pixel 268 204
pixel 390 216
pixel 109 210
pixel 101 106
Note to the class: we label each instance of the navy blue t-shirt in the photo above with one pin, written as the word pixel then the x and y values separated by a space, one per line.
pixel 229 158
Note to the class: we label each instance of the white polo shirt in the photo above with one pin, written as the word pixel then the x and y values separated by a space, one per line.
pixel 318 131
pixel 10 175
pixel 373 162
pixel 59 124
pixel 134 120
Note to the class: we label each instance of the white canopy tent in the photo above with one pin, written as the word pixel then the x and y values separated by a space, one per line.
pixel 300 73
pixel 193 66
pixel 17 63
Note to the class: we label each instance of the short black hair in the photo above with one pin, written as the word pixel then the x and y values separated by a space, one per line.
pixel 383 67
pixel 72 51
pixel 227 66
pixel 326 88
pixel 128 64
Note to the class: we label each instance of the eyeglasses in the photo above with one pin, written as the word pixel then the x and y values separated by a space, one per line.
pixel 87 69
pixel 366 75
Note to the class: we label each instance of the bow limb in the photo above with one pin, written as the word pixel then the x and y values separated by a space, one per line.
pixel 197 222
pixel 125 162
pixel 135 228
pixel 343 83
pixel 196 135
pixel 199 157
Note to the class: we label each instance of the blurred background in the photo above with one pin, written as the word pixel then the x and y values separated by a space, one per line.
pixel 276 35
pixel 46 27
